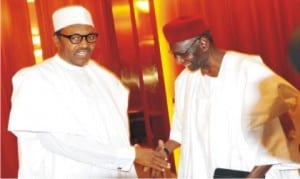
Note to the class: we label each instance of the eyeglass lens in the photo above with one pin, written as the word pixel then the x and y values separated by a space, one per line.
pixel 186 53
pixel 77 38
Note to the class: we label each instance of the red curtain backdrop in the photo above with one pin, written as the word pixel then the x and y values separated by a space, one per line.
pixel 253 26
pixel 16 52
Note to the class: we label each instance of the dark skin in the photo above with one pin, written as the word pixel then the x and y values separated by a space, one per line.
pixel 200 53
pixel 76 54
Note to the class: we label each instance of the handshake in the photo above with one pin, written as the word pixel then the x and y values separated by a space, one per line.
pixel 152 163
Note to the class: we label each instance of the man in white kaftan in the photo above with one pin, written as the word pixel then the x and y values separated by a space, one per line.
pixel 70 114
pixel 226 109
pixel 214 121
pixel 82 127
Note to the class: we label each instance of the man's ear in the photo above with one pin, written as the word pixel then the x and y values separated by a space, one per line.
pixel 204 44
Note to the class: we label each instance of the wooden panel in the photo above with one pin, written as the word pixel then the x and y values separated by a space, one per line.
pixel 141 71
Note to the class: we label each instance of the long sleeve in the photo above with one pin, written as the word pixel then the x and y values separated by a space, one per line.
pixel 87 151
pixel 67 117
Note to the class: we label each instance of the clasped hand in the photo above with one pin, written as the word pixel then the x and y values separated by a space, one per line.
pixel 154 160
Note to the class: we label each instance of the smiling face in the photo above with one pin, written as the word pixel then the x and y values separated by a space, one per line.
pixel 191 53
pixel 76 54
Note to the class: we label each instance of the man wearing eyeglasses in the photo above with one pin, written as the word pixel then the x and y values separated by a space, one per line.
pixel 70 114
pixel 226 110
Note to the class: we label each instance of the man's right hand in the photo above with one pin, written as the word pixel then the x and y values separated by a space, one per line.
pixel 151 159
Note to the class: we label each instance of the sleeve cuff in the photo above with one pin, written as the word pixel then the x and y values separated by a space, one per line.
pixel 126 164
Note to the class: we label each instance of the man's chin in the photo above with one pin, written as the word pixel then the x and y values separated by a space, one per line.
pixel 81 62
pixel 192 69
pixel 83 56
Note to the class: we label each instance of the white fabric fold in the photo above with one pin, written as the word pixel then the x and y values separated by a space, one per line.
pixel 229 121
pixel 56 98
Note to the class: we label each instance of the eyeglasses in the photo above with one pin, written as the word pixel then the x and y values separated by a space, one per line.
pixel 186 53
pixel 77 38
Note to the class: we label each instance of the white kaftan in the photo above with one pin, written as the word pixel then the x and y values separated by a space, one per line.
pixel 224 121
pixel 71 122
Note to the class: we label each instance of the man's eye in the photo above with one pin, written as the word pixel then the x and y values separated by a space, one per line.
pixel 77 37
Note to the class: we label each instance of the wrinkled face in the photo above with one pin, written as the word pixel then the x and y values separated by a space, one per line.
pixel 76 49
pixel 189 53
